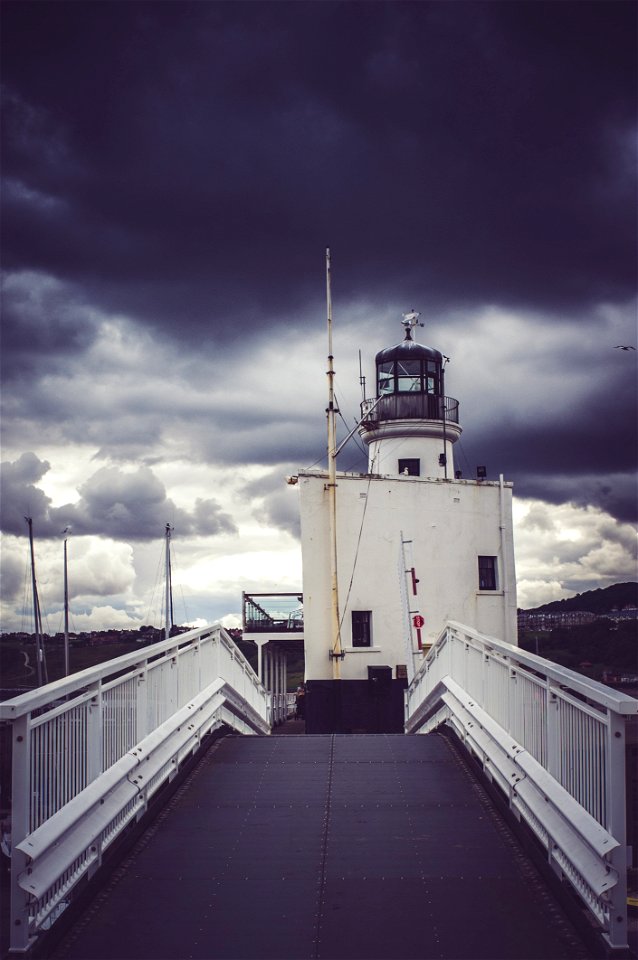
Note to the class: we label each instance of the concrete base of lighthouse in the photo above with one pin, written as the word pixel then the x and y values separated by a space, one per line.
pixel 375 705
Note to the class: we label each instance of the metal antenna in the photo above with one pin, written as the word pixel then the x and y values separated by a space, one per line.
pixel 362 379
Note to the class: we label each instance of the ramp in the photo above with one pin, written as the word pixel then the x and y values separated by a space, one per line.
pixel 326 847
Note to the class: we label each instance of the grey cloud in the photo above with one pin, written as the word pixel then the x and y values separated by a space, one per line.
pixel 281 509
pixel 44 323
pixel 114 503
pixel 12 576
pixel 277 502
pixel 19 497
pixel 616 494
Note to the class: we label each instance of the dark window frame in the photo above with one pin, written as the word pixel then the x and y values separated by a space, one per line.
pixel 395 379
pixel 488 573
pixel 413 465
pixel 361 624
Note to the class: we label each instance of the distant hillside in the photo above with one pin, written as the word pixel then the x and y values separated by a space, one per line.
pixel 595 601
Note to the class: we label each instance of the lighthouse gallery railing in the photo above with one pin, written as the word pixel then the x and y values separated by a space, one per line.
pixel 89 752
pixel 410 406
pixel 553 741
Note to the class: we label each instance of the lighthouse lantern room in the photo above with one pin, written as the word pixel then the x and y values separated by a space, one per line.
pixel 411 426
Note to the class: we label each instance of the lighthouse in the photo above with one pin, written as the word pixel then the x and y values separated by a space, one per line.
pixel 416 545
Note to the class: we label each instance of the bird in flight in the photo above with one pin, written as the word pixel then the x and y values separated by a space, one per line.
pixel 623 347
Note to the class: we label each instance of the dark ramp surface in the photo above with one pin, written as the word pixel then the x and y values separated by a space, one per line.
pixel 328 847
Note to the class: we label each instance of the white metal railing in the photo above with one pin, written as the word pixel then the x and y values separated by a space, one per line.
pixel 89 751
pixel 553 741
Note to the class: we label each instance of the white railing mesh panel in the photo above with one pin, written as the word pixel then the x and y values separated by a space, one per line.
pixel 59 762
pixel 581 767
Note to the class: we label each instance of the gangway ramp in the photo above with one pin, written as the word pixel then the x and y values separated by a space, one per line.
pixel 326 847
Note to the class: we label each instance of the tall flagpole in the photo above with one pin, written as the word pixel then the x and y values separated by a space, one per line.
pixel 336 652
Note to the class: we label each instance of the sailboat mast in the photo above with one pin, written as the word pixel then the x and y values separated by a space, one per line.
pixel 67 668
pixel 336 653
pixel 168 588
pixel 37 617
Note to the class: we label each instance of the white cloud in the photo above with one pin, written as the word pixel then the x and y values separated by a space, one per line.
pixel 104 618
pixel 563 550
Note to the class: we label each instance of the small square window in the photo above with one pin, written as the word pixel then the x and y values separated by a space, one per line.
pixel 487 570
pixel 361 628
pixel 412 468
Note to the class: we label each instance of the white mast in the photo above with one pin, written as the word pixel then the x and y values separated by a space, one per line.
pixel 67 668
pixel 37 616
pixel 336 653
pixel 168 619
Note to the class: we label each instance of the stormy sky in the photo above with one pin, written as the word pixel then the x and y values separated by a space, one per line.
pixel 172 175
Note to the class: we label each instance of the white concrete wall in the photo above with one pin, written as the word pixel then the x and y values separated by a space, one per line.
pixel 450 523
pixel 384 455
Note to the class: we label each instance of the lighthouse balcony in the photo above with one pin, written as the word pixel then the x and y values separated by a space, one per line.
pixel 409 406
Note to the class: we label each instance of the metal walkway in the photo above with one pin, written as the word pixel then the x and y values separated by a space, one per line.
pixel 326 847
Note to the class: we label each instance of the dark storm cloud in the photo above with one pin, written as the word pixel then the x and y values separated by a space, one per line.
pixel 583 453
pixel 41 321
pixel 113 503
pixel 185 164
pixel 182 162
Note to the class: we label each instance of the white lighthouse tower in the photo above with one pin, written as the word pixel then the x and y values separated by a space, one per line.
pixel 416 546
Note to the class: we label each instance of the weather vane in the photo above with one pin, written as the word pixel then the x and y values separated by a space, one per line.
pixel 410 321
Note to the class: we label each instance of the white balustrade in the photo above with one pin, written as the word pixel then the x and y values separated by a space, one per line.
pixel 554 742
pixel 89 751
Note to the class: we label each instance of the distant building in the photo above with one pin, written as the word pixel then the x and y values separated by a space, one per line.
pixel 532 620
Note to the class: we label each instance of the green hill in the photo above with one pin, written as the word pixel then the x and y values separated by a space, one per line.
pixel 602 601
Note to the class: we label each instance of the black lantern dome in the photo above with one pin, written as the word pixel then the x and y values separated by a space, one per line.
pixel 410 367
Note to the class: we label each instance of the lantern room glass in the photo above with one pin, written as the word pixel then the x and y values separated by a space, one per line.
pixel 409 376
pixel 386 378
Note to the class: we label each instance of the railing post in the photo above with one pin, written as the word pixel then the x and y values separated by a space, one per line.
pixel 615 804
pixel 552 731
pixel 94 727
pixel 141 706
pixel 511 699
pixel 173 685
pixel 20 828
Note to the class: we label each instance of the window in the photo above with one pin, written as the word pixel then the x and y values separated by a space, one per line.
pixel 410 467
pixel 361 628
pixel 386 378
pixel 487 573
pixel 432 377
pixel 409 376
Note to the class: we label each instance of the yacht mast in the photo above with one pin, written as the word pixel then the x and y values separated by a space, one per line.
pixel 41 662
pixel 67 668
pixel 168 617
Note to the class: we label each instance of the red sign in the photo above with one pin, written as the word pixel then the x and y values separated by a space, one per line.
pixel 418 621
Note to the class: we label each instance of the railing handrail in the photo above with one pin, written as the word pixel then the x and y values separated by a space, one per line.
pixel 32 700
pixel 606 696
